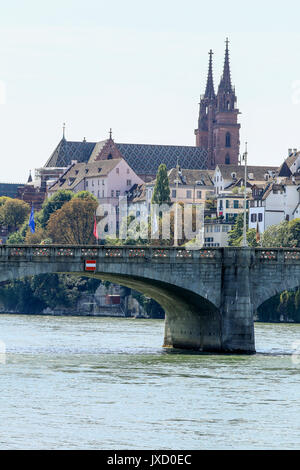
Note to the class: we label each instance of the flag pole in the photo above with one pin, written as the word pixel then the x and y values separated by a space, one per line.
pixel 245 244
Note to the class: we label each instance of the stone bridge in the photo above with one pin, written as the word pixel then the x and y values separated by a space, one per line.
pixel 209 295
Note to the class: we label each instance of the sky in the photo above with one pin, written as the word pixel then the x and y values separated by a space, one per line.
pixel 139 68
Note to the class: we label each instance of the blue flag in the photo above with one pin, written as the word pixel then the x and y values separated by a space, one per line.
pixel 31 221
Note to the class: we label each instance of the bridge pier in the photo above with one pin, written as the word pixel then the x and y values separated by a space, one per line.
pixel 237 307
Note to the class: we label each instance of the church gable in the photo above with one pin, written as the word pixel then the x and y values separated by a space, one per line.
pixel 108 150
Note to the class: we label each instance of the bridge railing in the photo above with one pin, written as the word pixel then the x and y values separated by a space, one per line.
pixel 136 253
pixel 107 252
pixel 283 255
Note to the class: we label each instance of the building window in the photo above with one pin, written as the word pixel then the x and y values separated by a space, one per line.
pixel 199 194
pixel 227 160
pixel 117 193
pixel 112 193
pixel 221 204
pixel 109 157
pixel 260 217
pixel 86 183
pixel 128 171
pixel 227 204
pixel 188 194
pixel 253 218
pixel 235 204
pixel 173 192
pixel 228 140
pixel 128 182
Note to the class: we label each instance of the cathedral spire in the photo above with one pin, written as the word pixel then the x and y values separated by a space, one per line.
pixel 225 83
pixel 210 91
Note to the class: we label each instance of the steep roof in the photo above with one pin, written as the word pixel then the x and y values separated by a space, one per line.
pixel 66 151
pixel 191 177
pixel 257 171
pixel 137 193
pixel 284 169
pixel 77 172
pixel 144 159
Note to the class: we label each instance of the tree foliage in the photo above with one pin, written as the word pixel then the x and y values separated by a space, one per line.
pixel 161 192
pixel 73 224
pixel 13 213
pixel 34 294
pixel 53 204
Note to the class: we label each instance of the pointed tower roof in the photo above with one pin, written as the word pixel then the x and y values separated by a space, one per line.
pixel 210 91
pixel 225 83
pixel 29 178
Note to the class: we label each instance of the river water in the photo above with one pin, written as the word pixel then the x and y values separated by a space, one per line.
pixel 106 383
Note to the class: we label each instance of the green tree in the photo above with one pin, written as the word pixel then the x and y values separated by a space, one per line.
pixel 85 195
pixel 276 236
pixel 294 233
pixel 236 233
pixel 13 213
pixel 161 193
pixel 73 224
pixel 54 203
pixel 15 238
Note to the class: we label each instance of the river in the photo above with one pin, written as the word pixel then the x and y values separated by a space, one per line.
pixel 106 383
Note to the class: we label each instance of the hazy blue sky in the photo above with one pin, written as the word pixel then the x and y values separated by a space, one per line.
pixel 139 67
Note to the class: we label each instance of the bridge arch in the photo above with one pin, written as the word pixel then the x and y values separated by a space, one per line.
pixel 192 320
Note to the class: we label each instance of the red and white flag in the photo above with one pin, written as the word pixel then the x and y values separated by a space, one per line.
pixel 90 265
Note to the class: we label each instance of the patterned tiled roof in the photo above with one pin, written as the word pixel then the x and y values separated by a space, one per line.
pixel 67 151
pixel 145 159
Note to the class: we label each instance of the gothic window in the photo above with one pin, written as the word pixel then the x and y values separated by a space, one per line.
pixel 227 160
pixel 109 157
pixel 228 140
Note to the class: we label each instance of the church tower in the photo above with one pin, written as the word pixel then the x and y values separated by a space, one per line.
pixel 204 132
pixel 218 129
pixel 226 130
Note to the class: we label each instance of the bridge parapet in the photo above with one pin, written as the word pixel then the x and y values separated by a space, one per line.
pixel 134 253
pixel 279 255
